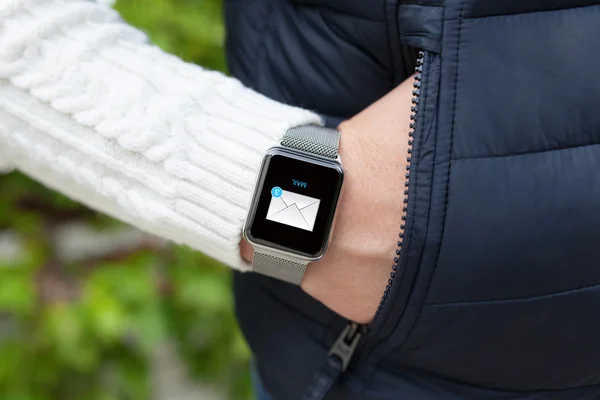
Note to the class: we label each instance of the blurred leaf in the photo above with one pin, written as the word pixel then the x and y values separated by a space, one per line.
pixel 239 348
pixel 149 327
pixel 132 281
pixel 193 30
pixel 65 327
pixel 133 377
pixel 208 292
pixel 17 291
pixel 104 313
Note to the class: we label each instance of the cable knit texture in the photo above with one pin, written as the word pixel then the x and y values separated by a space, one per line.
pixel 92 110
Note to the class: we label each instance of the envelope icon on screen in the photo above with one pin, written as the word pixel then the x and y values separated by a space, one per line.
pixel 294 209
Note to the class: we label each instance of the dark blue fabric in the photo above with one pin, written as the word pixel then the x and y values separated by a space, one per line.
pixel 324 379
pixel 498 291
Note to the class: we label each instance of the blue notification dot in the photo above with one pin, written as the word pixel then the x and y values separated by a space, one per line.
pixel 276 192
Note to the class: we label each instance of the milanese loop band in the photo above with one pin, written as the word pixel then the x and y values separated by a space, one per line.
pixel 279 268
pixel 312 139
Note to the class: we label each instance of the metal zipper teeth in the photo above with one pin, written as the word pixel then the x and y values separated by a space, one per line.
pixel 411 133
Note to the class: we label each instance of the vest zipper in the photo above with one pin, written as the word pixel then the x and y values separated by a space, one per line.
pixel 343 349
pixel 338 358
pixel 411 133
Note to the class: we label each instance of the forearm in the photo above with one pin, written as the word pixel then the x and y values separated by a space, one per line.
pixel 90 109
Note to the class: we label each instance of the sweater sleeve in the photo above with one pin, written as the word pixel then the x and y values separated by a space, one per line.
pixel 90 109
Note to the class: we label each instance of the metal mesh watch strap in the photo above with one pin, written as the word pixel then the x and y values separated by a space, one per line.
pixel 279 268
pixel 313 139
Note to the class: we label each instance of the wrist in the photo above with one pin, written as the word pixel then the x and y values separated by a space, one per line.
pixel 352 276
pixel 246 251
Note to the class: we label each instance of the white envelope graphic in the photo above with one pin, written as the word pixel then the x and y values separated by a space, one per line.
pixel 294 209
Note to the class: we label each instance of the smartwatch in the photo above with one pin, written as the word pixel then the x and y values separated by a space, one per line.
pixel 294 204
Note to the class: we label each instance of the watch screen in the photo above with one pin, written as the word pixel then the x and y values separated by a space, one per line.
pixel 296 203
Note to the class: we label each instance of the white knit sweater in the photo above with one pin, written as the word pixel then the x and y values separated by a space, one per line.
pixel 89 108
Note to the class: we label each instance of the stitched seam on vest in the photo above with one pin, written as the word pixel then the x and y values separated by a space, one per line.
pixel 437 260
pixel 526 153
pixel 408 238
pixel 423 4
pixel 587 288
pixel 409 242
pixel 333 10
pixel 388 33
pixel 528 13
pixel 518 392
pixel 409 233
pixel 261 48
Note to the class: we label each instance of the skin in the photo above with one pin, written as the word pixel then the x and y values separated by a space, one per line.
pixel 352 276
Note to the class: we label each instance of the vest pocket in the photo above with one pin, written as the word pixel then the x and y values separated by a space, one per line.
pixel 398 309
pixel 418 77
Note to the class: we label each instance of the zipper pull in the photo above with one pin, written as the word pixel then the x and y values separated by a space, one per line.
pixel 346 343
pixel 338 358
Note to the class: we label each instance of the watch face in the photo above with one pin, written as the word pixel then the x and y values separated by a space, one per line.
pixel 295 203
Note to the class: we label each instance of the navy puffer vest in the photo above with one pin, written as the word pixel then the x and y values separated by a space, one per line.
pixel 496 293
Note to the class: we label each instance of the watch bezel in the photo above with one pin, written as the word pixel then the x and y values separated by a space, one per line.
pixel 258 186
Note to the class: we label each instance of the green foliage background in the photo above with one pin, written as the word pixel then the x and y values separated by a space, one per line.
pixel 89 330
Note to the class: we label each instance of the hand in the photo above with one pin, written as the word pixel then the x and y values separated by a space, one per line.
pixel 352 276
